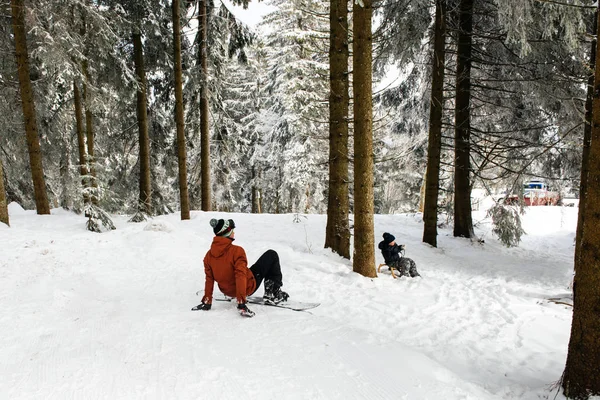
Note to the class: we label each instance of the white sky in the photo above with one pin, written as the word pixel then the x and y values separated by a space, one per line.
pixel 253 14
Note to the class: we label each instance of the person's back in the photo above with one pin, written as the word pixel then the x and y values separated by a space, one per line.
pixel 226 264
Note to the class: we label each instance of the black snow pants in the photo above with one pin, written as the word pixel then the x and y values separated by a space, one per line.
pixel 267 267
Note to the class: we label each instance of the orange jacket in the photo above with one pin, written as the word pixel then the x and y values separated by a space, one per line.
pixel 226 264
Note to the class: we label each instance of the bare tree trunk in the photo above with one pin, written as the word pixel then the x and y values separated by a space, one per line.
pixel 256 200
pixel 145 199
pixel 204 112
pixel 432 178
pixel 256 195
pixel 337 232
pixel 89 133
pixel 181 149
pixel 580 378
pixel 463 221
pixel 83 172
pixel 3 202
pixel 364 254
pixel 587 138
pixel 33 143
pixel 66 202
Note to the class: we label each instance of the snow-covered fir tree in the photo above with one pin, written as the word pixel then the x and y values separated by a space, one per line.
pixel 295 110
pixel 268 101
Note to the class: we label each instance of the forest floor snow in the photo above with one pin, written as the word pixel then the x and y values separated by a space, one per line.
pixel 107 316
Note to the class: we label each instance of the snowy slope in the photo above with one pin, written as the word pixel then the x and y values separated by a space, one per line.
pixel 107 316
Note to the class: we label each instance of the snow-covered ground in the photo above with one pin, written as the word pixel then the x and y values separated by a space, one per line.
pixel 107 316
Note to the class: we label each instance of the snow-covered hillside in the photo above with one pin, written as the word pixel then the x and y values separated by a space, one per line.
pixel 107 316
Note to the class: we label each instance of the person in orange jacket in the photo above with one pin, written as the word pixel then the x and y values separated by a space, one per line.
pixel 226 264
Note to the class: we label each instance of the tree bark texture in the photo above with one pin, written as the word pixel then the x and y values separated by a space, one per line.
pixel 184 198
pixel 256 208
pixel 64 168
pixel 580 379
pixel 337 233
pixel 27 101
pixel 204 111
pixel 587 137
pixel 434 149
pixel 256 193
pixel 145 198
pixel 83 172
pixel 3 203
pixel 463 221
pixel 364 248
pixel 89 133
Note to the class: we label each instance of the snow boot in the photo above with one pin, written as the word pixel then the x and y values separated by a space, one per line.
pixel 273 293
pixel 413 271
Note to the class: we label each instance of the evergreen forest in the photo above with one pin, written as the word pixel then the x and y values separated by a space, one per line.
pixel 344 108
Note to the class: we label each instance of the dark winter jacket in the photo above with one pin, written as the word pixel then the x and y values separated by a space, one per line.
pixel 390 253
pixel 226 264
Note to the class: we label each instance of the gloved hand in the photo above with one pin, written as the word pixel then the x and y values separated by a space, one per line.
pixel 244 310
pixel 202 306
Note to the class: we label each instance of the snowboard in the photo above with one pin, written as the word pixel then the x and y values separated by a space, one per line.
pixel 290 304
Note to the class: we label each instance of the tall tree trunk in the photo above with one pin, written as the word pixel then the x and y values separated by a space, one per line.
pixel 204 114
pixel 580 378
pixel 63 170
pixel 66 202
pixel 364 255
pixel 256 195
pixel 463 221
pixel 432 178
pixel 3 202
pixel 33 143
pixel 256 200
pixel 83 172
pixel 184 198
pixel 587 137
pixel 337 232
pixel 89 133
pixel 145 199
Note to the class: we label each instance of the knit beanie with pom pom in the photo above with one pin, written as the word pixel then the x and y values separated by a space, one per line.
pixel 222 227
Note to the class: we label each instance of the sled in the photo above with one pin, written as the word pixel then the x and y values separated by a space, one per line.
pixel 391 269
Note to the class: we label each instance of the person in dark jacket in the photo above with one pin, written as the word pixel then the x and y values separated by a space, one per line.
pixel 393 254
pixel 226 264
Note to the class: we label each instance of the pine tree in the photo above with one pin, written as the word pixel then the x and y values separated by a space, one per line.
pixel 432 180
pixel 587 138
pixel 145 197
pixel 89 123
pixel 156 155
pixel 364 256
pixel 401 105
pixel 83 171
pixel 580 378
pixel 202 40
pixel 337 233
pixel 463 223
pixel 294 114
pixel 179 118
pixel 517 126
pixel 28 104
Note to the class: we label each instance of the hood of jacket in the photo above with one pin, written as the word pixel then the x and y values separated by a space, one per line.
pixel 220 245
pixel 383 245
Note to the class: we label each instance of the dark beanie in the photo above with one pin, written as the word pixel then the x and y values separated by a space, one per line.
pixel 222 227
pixel 388 238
